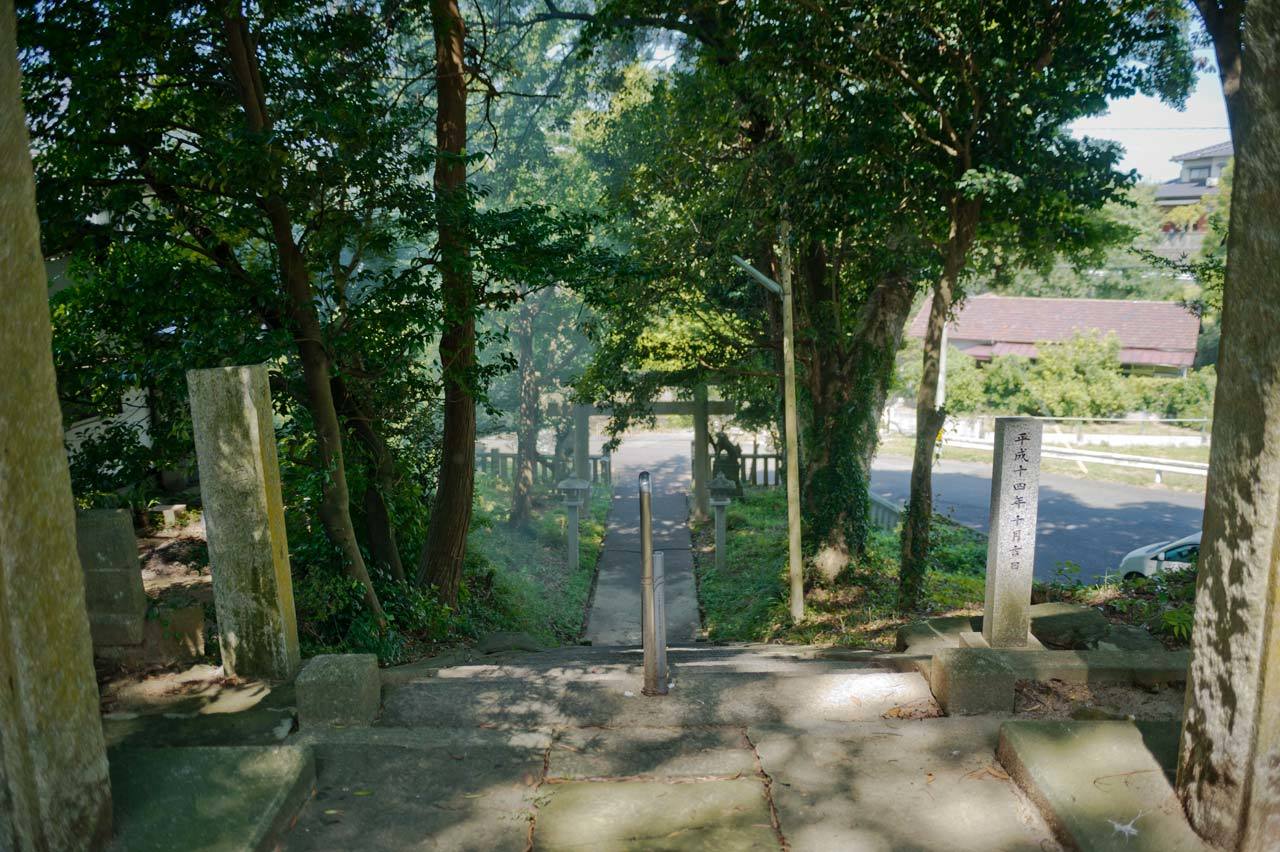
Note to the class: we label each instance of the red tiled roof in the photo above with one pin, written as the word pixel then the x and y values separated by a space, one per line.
pixel 1159 333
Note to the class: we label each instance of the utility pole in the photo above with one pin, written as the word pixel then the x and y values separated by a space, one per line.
pixel 790 425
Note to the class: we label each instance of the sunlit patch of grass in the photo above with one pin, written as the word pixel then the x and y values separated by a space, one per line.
pixel 747 601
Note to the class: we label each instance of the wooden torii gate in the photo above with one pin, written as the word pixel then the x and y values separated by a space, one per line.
pixel 700 408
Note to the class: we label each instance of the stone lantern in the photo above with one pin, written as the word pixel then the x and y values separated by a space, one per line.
pixel 574 491
pixel 722 490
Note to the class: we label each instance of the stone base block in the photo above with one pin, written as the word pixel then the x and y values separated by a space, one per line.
pixel 113 629
pixel 171 636
pixel 974 639
pixel 1101 785
pixel 339 689
pixel 971 681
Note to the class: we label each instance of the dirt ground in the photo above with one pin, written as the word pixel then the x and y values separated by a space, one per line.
pixel 1055 699
pixel 175 563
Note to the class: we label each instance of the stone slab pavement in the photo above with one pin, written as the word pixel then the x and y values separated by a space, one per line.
pixel 755 748
pixel 614 618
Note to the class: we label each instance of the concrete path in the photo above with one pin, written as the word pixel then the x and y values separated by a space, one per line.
pixel 614 618
pixel 755 748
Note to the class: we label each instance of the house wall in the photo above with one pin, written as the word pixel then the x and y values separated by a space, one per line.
pixel 1215 165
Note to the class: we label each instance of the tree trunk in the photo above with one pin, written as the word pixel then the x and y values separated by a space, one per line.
pixel 527 427
pixel 1229 765
pixel 847 382
pixel 379 525
pixel 930 417
pixel 308 335
pixel 446 544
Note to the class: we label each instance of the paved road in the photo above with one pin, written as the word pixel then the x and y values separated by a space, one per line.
pixel 1084 521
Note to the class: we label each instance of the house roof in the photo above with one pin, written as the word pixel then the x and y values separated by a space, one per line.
pixel 1153 333
pixel 1176 190
pixel 1222 149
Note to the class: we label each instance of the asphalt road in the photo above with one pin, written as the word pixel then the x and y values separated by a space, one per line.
pixel 1090 523
pixel 1084 521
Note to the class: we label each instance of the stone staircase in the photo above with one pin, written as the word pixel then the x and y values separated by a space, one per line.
pixel 755 747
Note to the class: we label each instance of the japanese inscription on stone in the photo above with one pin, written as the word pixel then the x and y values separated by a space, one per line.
pixel 1011 550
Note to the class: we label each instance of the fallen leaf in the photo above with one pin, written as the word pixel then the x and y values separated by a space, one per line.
pixel 364 792
pixel 929 777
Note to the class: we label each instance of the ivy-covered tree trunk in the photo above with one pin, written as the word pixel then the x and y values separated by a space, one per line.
pixel 929 416
pixel 849 371
pixel 308 334
pixel 446 544
pixel 528 419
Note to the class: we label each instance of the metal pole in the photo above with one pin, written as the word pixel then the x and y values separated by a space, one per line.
pixel 660 619
pixel 648 621
pixel 789 416
pixel 792 429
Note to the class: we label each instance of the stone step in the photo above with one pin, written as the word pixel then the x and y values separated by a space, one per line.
pixel 225 798
pixel 697 698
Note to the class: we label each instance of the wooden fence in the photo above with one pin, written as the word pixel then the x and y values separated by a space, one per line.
pixel 545 469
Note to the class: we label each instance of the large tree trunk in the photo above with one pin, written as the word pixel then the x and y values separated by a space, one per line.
pixel 847 382
pixel 308 335
pixel 446 544
pixel 929 417
pixel 527 425
pixel 1229 765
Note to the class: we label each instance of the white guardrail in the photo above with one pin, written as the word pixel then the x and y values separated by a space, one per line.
pixel 1080 457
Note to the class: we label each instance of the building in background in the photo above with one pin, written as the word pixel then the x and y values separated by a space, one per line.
pixel 1156 338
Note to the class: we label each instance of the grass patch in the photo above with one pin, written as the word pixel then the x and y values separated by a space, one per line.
pixel 747 601
pixel 519 579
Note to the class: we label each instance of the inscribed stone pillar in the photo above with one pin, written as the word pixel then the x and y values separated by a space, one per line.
pixel 1011 548
pixel 54 788
pixel 1229 765
pixel 244 521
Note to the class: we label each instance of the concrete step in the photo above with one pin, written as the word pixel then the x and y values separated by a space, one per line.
pixel 212 799
pixel 613 699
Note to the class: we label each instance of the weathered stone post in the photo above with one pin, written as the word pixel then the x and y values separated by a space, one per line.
pixel 54 788
pixel 1011 550
pixel 722 490
pixel 244 521
pixel 114 595
pixel 572 490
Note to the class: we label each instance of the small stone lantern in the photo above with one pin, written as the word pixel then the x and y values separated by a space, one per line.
pixel 722 489
pixel 574 492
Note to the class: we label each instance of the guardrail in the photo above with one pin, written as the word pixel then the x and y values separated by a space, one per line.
pixel 1159 465
pixel 886 514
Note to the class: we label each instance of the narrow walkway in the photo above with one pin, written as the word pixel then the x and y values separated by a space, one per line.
pixel 615 610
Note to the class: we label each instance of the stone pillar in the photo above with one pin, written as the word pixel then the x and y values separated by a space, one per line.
pixel 114 596
pixel 244 521
pixel 719 505
pixel 701 461
pixel 1011 548
pixel 54 789
pixel 574 492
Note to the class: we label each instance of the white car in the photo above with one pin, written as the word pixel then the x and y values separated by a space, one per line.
pixel 1164 556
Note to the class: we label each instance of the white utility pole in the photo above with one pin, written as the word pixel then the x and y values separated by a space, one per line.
pixel 790 424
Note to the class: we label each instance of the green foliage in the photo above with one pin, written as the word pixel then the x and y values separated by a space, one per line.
pixel 747 601
pixel 1079 378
